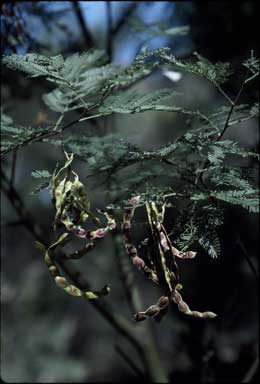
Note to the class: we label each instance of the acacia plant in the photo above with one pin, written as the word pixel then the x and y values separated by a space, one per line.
pixel 192 173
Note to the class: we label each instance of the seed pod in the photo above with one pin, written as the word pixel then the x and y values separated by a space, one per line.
pixel 61 282
pixel 138 262
pixel 163 302
pixel 183 307
pixel 153 310
pixel 74 291
pixel 209 315
pixel 135 200
pixel 139 316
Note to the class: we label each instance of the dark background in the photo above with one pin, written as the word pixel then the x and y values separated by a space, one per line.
pixel 47 336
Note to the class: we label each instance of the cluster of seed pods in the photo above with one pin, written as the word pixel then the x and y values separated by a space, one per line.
pixel 72 211
pixel 152 271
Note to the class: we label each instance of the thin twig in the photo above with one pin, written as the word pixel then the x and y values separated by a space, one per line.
pixel 129 361
pixel 232 108
pixel 21 210
pixel 252 371
pixel 226 125
pixel 132 293
pixel 247 258
pixel 224 93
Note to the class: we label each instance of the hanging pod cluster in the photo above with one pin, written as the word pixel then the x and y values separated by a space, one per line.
pixel 72 211
pixel 159 263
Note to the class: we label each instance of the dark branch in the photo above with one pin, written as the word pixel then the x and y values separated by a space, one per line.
pixel 127 13
pixel 109 31
pixel 87 35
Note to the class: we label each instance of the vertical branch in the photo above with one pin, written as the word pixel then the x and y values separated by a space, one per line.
pixel 233 104
pixel 150 354
pixel 129 361
pixel 19 206
pixel 13 168
pixel 128 12
pixel 126 274
pixel 109 44
pixel 247 257
pixel 87 35
pixel 252 372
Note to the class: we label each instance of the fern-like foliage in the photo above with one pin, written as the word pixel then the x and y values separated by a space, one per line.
pixel 132 102
pixel 201 230
pixel 157 29
pixel 14 136
pixel 88 82
pixel 81 80
pixel 253 66
pixel 41 175
pixel 248 199
pixel 211 244
pixel 216 73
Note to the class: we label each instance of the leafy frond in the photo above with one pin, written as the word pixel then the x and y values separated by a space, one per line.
pixel 158 29
pixel 77 76
pixel 248 199
pixel 216 73
pixel 55 67
pixel 230 178
pixel 14 136
pixel 202 230
pixel 188 236
pixel 232 147
pixel 253 65
pixel 41 174
pixel 35 65
pixel 130 102
pixel 142 66
pixel 136 102
pixel 86 81
pixel 211 244
pixel 83 91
